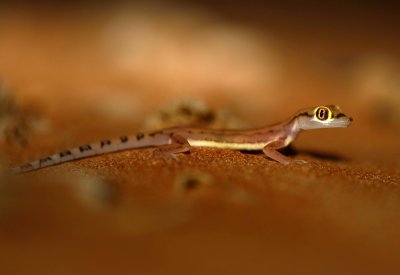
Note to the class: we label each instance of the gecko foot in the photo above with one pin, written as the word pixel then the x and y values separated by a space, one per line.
pixel 169 151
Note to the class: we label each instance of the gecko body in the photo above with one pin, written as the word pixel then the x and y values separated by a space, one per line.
pixel 169 142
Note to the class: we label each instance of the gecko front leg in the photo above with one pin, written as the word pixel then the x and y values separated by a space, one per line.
pixel 178 144
pixel 270 151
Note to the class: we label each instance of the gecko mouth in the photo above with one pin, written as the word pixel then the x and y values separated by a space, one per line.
pixel 341 123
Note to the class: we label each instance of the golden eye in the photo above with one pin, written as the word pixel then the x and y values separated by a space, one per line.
pixel 322 113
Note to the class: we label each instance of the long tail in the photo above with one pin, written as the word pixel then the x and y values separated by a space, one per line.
pixel 139 140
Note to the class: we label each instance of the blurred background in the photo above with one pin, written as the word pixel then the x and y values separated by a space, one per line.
pixel 76 72
pixel 261 60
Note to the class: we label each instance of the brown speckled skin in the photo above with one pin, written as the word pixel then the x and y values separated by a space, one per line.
pixel 231 136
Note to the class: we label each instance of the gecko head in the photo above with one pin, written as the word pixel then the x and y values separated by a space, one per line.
pixel 329 116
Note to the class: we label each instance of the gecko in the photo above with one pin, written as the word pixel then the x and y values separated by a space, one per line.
pixel 171 141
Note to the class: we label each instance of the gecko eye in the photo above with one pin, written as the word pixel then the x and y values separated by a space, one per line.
pixel 323 113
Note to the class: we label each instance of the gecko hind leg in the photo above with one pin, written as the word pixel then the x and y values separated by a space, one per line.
pixel 270 151
pixel 178 145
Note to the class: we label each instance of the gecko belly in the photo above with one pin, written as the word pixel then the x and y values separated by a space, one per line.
pixel 227 145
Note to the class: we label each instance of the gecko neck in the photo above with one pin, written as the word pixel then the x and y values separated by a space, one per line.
pixel 292 129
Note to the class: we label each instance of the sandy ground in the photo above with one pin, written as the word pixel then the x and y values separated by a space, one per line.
pixel 214 211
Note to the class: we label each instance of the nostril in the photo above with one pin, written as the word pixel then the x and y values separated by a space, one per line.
pixel 351 119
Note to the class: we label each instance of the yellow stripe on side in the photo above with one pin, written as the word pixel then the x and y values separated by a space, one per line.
pixel 227 145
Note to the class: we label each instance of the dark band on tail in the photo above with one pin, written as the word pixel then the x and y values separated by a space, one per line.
pixel 139 136
pixel 84 148
pixel 65 153
pixel 44 160
pixel 104 143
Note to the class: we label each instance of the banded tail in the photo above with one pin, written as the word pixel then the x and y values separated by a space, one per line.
pixel 139 140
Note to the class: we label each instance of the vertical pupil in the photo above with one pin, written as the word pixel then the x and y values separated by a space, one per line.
pixel 322 114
